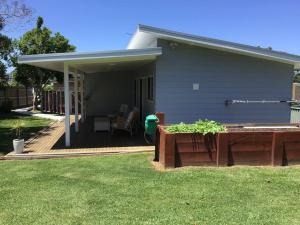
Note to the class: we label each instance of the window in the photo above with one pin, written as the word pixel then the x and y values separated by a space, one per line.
pixel 150 88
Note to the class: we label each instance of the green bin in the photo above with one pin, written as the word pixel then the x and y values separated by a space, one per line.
pixel 151 124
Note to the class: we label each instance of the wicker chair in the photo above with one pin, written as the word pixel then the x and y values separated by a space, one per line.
pixel 122 112
pixel 130 124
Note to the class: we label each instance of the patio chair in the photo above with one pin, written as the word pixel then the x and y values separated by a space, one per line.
pixel 130 124
pixel 122 111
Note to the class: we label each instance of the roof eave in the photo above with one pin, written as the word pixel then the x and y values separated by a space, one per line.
pixel 69 57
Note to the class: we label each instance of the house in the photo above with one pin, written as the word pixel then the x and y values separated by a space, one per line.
pixel 185 76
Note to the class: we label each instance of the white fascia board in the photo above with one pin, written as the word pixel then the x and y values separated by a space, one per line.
pixel 210 43
pixel 86 56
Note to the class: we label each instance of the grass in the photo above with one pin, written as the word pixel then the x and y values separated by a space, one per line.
pixel 125 189
pixel 32 125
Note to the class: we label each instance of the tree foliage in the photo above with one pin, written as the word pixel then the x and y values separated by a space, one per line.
pixel 39 41
pixel 11 12
pixel 296 76
pixel 5 49
pixel 3 78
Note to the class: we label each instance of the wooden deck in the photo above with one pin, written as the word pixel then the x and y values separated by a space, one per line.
pixel 50 142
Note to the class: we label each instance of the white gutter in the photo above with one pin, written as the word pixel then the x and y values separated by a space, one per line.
pixel 59 57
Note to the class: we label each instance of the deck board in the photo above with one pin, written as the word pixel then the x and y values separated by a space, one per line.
pixel 50 141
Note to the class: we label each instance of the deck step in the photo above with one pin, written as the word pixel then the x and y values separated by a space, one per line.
pixel 13 156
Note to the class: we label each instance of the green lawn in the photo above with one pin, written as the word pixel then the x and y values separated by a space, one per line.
pixel 125 189
pixel 32 125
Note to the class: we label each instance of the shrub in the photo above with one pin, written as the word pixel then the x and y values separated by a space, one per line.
pixel 200 126
pixel 6 106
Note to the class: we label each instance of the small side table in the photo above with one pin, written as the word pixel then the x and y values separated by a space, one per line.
pixel 101 124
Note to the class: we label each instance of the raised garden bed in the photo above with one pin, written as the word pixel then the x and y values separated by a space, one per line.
pixel 243 144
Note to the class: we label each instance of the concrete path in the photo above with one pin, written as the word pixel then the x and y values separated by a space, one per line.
pixel 26 111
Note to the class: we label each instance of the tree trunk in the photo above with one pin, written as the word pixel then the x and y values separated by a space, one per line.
pixel 36 92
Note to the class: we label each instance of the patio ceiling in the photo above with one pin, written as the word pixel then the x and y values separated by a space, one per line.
pixel 92 62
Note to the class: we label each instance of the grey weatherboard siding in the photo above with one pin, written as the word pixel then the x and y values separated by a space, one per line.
pixel 222 76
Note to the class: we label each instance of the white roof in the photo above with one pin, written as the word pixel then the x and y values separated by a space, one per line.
pixel 146 35
pixel 139 51
pixel 91 62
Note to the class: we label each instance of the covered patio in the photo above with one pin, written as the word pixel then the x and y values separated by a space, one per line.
pixel 88 139
pixel 50 143
pixel 102 81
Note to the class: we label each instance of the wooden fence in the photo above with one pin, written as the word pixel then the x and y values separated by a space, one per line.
pixel 19 96
pixel 53 102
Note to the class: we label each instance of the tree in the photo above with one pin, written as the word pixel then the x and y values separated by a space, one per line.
pixel 39 41
pixel 11 12
pixel 296 76
pixel 5 49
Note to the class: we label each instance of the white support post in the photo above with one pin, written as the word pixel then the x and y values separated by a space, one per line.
pixel 76 100
pixel 67 105
pixel 81 98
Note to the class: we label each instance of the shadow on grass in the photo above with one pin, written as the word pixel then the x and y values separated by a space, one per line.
pixel 13 116
pixel 32 126
pixel 7 135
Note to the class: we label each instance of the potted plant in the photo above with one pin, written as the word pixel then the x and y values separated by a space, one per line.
pixel 18 143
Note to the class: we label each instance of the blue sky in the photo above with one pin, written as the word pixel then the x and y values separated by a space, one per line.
pixel 94 25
